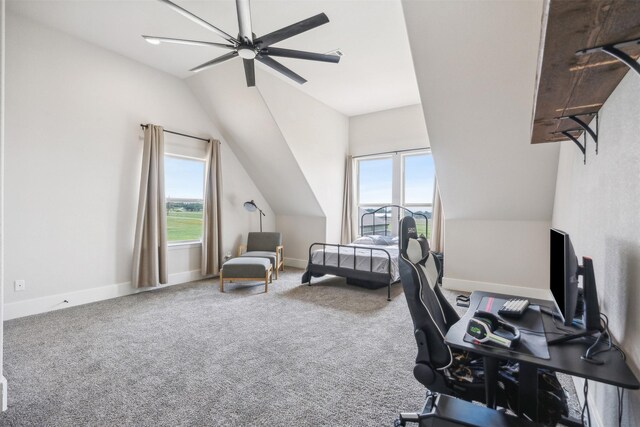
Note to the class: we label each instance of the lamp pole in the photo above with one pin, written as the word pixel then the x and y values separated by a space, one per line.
pixel 251 207
pixel 261 215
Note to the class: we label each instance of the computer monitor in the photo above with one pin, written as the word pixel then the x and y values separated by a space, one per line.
pixel 563 279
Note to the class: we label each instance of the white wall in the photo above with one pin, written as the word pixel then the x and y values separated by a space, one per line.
pixel 520 260
pixel 477 95
pixel 598 205
pixel 73 145
pixel 395 129
pixel 3 387
pixel 298 233
pixel 244 119
pixel 318 137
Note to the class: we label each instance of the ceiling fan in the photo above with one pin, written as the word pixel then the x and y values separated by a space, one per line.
pixel 249 47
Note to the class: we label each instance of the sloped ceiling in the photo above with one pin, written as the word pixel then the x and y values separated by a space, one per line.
pixel 247 125
pixel 475 62
pixel 318 137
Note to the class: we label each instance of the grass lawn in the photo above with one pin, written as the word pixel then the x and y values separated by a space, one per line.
pixel 420 226
pixel 184 226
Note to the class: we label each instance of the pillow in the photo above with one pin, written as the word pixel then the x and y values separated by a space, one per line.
pixel 364 240
pixel 431 272
pixel 414 251
pixel 384 240
pixel 425 245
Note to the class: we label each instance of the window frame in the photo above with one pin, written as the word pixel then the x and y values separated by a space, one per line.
pixel 357 170
pixel 193 242
pixel 397 185
pixel 403 174
pixel 363 206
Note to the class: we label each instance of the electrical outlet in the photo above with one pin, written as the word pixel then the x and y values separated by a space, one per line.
pixel 19 285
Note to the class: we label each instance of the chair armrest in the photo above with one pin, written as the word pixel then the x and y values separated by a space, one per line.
pixel 242 249
pixel 280 253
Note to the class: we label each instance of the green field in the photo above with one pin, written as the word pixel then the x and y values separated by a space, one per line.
pixel 183 226
pixel 380 229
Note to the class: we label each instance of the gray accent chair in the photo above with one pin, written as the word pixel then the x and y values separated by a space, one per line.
pixel 265 245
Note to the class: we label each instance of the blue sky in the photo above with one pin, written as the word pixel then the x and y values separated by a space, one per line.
pixel 376 179
pixel 184 178
pixel 419 174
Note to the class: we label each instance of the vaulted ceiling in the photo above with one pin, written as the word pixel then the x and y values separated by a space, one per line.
pixel 375 73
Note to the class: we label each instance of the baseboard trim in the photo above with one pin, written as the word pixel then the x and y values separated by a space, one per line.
pixel 470 286
pixel 3 390
pixel 294 262
pixel 48 303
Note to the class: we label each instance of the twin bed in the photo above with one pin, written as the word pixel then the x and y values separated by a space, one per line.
pixel 370 261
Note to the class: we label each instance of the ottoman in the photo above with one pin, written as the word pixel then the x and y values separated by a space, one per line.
pixel 247 268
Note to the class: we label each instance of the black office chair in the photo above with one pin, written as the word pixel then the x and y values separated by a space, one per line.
pixel 438 367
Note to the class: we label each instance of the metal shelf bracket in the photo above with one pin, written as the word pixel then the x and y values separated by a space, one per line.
pixel 583 125
pixel 582 147
pixel 614 50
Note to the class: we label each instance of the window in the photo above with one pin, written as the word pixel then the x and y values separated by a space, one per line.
pixel 375 189
pixel 418 182
pixel 401 179
pixel 184 192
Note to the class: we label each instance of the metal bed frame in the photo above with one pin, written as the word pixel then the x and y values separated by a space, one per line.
pixel 366 278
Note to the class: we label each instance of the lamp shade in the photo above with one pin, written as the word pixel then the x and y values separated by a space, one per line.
pixel 250 206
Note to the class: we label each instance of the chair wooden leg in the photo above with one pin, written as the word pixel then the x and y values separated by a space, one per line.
pixel 266 281
pixel 221 282
pixel 276 270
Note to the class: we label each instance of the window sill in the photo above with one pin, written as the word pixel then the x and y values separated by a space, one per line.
pixel 184 245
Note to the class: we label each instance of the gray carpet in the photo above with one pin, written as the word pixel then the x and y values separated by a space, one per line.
pixel 330 354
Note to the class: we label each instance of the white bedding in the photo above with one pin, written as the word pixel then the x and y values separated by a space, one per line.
pixel 363 258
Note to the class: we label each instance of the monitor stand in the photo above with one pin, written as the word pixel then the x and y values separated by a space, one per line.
pixel 571 337
pixel 591 311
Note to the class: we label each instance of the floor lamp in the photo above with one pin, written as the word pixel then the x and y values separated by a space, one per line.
pixel 252 207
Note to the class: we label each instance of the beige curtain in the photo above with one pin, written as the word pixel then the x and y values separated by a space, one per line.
pixel 347 234
pixel 150 246
pixel 211 241
pixel 437 232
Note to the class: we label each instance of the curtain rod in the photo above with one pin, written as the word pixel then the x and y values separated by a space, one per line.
pixel 391 152
pixel 178 133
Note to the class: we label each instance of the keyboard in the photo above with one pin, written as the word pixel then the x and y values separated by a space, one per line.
pixel 514 308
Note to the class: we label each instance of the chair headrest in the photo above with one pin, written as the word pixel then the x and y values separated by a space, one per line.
pixel 414 248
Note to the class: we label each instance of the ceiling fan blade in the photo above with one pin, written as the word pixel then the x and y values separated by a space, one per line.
pixel 199 21
pixel 244 20
pixel 292 30
pixel 158 40
pixel 299 54
pixel 270 62
pixel 225 57
pixel 250 72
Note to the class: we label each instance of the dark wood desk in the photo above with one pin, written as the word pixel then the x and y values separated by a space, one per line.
pixel 563 358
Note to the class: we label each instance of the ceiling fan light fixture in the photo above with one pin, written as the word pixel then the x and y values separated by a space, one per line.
pixel 246 52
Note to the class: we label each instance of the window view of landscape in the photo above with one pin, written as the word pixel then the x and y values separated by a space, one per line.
pixel 378 224
pixel 184 192
pixel 376 188
pixel 418 186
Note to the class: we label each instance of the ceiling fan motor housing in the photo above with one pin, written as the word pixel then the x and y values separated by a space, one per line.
pixel 246 52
